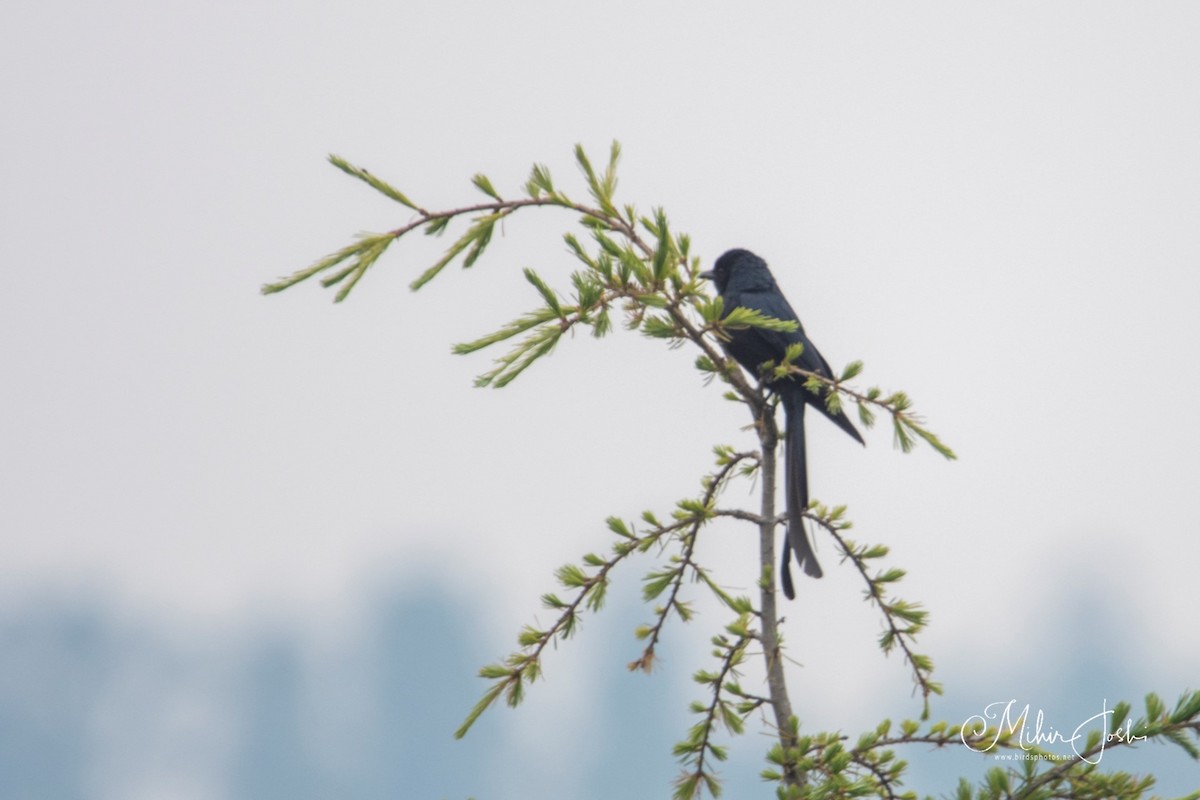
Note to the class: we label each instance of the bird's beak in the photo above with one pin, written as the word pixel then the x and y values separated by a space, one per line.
pixel 708 276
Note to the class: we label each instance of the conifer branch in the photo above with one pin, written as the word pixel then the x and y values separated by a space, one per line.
pixel 690 517
pixel 698 748
pixel 903 620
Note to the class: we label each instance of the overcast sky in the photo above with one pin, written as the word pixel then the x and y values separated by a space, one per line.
pixel 993 205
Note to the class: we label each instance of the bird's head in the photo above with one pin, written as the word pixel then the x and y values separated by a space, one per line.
pixel 741 267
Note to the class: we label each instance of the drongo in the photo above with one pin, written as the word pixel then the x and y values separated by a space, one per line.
pixel 744 281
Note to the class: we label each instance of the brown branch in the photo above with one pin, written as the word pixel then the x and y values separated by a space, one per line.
pixel 499 205
pixel 710 714
pixel 646 661
pixel 873 591
pixel 732 373
pixel 737 513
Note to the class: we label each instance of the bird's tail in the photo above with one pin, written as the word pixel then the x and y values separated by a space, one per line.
pixel 796 480
pixel 840 419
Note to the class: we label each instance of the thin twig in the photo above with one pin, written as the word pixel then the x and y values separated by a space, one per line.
pixel 646 661
pixel 898 635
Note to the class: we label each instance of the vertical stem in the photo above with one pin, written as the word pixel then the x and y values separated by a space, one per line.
pixel 776 682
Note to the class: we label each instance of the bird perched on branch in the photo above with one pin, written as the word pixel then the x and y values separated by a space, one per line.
pixel 744 281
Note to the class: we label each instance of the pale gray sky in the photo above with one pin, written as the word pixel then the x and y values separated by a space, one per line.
pixel 994 206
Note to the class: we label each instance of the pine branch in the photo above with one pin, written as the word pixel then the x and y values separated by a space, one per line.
pixel 698 747
pixel 524 665
pixel 903 620
pixel 1157 723
pixel 690 517
pixel 905 423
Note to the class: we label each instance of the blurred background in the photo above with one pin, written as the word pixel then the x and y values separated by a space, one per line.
pixel 259 546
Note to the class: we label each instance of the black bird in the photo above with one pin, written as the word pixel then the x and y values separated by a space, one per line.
pixel 744 281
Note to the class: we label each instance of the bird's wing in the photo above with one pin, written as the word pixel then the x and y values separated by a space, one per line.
pixel 775 343
pixel 754 346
